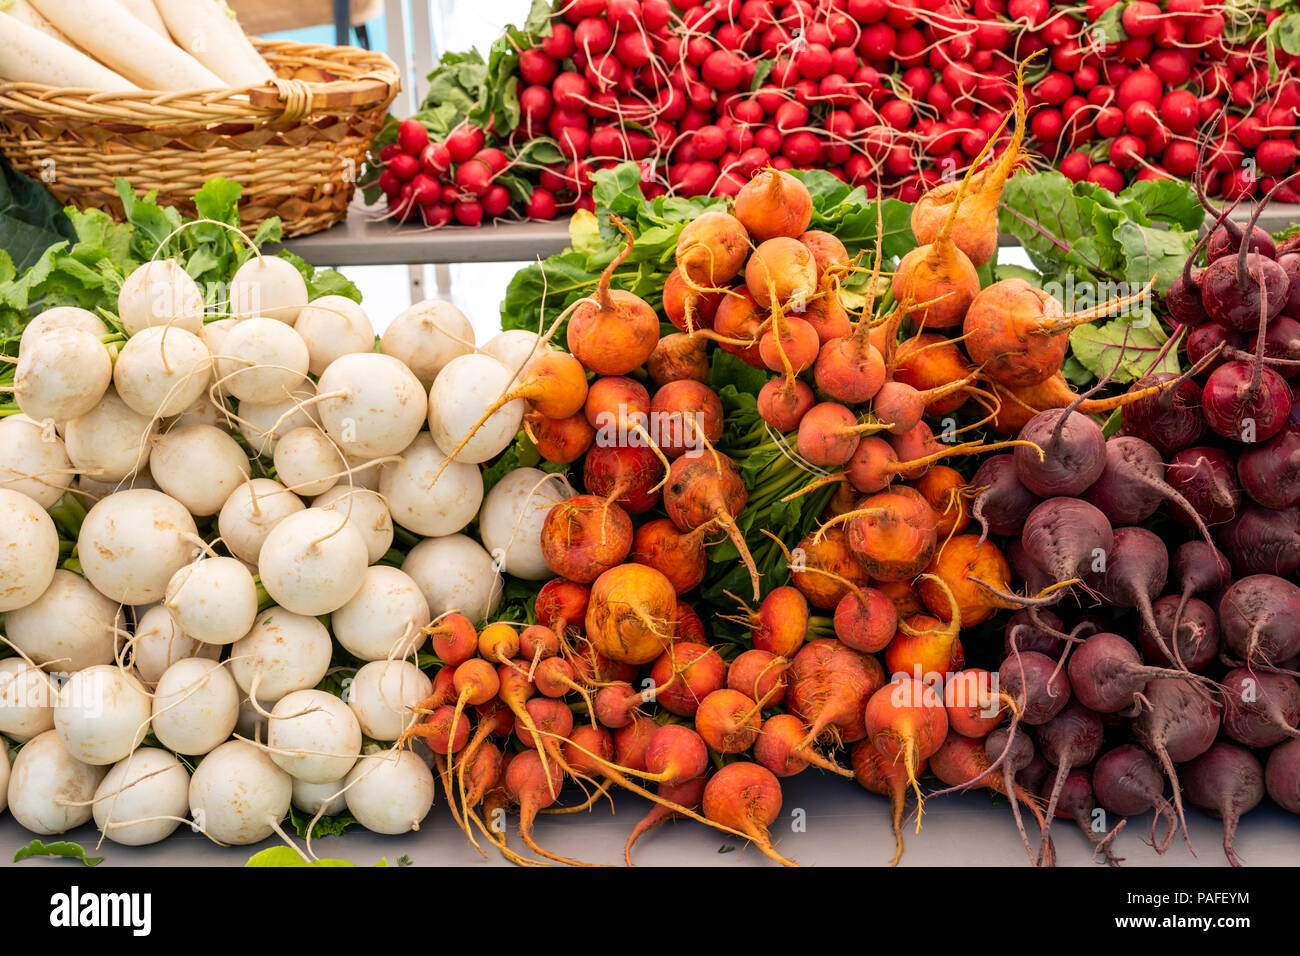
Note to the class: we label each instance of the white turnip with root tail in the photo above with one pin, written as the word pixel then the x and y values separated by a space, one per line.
pixel 511 520
pixel 308 462
pixel 33 460
pixel 371 405
pixel 282 653
pixel 455 573
pixel 71 626
pixel 27 696
pixel 62 375
pixel 427 494
pixel 251 511
pixel 61 317
pixel 366 510
pixel 313 736
pixel 463 410
pixel 261 361
pixel 214 600
pixel 385 619
pixel 158 643
pixel 160 293
pixel 29 550
pixel 427 336
pixel 312 562
pixel 102 714
pixel 51 791
pixel 112 441
pixel 132 542
pixel 238 796
pixel 200 466
pixel 195 706
pixel 390 792
pixel 143 799
pixel 162 371
pixel 269 287
pixel 331 327
pixel 384 694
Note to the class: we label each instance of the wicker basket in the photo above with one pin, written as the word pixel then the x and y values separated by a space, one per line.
pixel 296 147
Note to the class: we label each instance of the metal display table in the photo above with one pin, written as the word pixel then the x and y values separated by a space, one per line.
pixel 842 825
pixel 366 238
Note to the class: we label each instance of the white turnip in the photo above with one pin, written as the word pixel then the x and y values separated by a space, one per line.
pixel 161 371
pixel 50 791
pixel 421 504
pixel 160 293
pixel 455 574
pixel 282 653
pixel 237 795
pixel 71 626
pixel 29 550
pixel 366 511
pixel 132 542
pixel 143 798
pixel 312 562
pixel 33 460
pixel 313 736
pixel 427 336
pixel 390 792
pixel 200 466
pixel 385 618
pixel 511 520
pixel 371 404
pixel 333 326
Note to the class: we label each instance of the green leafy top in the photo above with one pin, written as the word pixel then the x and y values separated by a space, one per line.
pixel 62 848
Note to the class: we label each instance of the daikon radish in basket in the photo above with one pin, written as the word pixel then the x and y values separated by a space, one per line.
pixel 24 11
pixel 105 30
pixel 146 13
pixel 29 56
pixel 208 31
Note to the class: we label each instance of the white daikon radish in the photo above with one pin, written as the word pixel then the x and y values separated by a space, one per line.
pixel 427 336
pixel 28 55
pixel 209 32
pixel 146 13
pixel 70 627
pixel 160 293
pixel 24 11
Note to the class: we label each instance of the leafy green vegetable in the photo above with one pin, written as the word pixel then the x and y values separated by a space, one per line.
pixel 326 826
pixel 31 220
pixel 1102 349
pixel 72 851
pixel 283 856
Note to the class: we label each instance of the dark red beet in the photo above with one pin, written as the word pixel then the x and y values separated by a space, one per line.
pixel 1135 571
pixel 1290 263
pixel 1005 503
pixel 1282 775
pixel 1270 473
pixel 1034 629
pixel 1245 403
pixel 1259 617
pixel 1262 541
pixel 1024 568
pixel 1179 725
pixel 1074 453
pixel 1282 340
pixel 1204 339
pixel 1066 537
pixel 1226 241
pixel 1207 479
pixel 1028 679
pixel 1034 774
pixel 1226 781
pixel 1232 296
pixel 1183 299
pixel 1077 803
pixel 1126 782
pixel 1197 643
pixel 1260 708
pixel 1132 485
pixel 1106 673
pixel 1070 739
pixel 1170 420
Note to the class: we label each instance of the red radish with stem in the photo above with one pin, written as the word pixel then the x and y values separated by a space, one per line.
pixel 746 797
pixel 616 331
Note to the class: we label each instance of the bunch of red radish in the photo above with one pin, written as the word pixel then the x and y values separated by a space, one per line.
pixel 451 181
pixel 897 95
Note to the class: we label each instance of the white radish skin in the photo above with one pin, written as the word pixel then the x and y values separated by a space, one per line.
pixel 510 522
pixel 214 335
pixel 311 797
pixel 282 653
pixel 111 442
pixel 262 361
pixel 29 55
pixel 516 349
pixel 50 791
pixel 386 617
pixel 4 778
pixel 464 390
pixel 455 574
pixel 264 425
pixel 160 293
pixel 61 317
pixel 132 49
pixel 203 412
pixel 24 11
pixel 313 736
pixel 207 30
pixel 423 506
pixel 62 375
pixel 384 694
pixel 312 562
pixel 390 792
pixel 333 326
pixel 200 466
pixel 195 706
pixel 214 600
pixel 237 795
pixel 146 13
pixel 376 406
pixel 268 287
pixel 162 371
pixel 137 796
pixel 366 511
pixel 363 472
pixel 71 626
pixel 132 542
pixel 308 462
pixel 33 460
pixel 27 696
pixel 251 511
pixel 427 336
pixel 159 643
pixel 29 550
pixel 94 490
pixel 102 714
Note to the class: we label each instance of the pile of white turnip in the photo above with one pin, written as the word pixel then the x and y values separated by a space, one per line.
pixel 239 476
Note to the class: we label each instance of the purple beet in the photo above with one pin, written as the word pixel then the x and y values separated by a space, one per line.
pixel 1260 708
pixel 1207 478
pixel 1197 643
pixel 1034 774
pixel 1070 739
pixel 1282 775
pixel 1262 541
pixel 1282 341
pixel 1067 538
pixel 1170 420
pixel 1259 618
pixel 1290 263
pixel 1077 803
pixel 1107 675
pixel 1003 505
pixel 1204 339
pixel 1073 453
pixel 1178 725
pixel 1034 682
pixel 1034 629
pixel 1135 572
pixel 1245 401
pixel 1225 240
pixel 1270 473
pixel 1234 289
pixel 1227 782
pixel 1126 782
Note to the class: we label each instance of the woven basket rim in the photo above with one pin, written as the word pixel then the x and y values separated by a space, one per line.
pixel 371 87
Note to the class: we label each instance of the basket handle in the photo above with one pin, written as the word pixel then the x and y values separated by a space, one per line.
pixel 298 98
